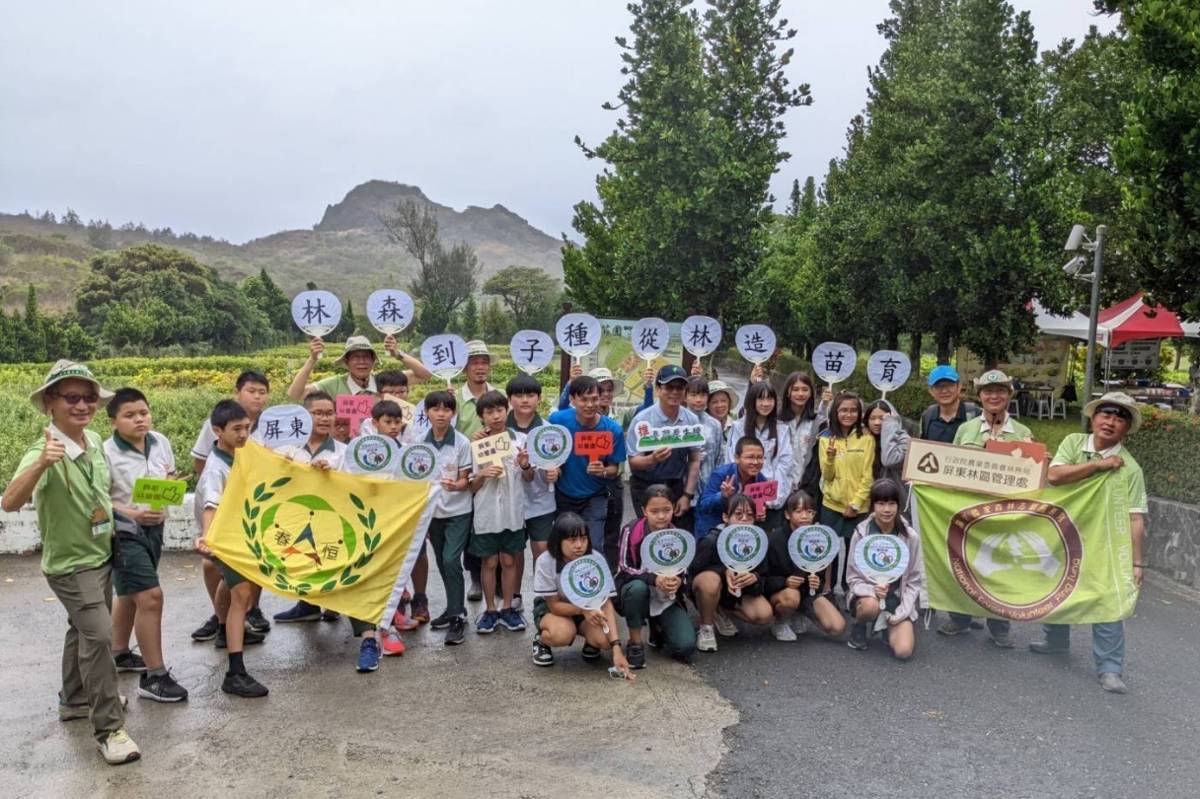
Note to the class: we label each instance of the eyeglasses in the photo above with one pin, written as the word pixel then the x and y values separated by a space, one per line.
pixel 322 414
pixel 75 399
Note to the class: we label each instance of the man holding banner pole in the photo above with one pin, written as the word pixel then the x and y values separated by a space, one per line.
pixel 1080 456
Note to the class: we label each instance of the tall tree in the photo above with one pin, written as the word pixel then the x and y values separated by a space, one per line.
pixel 266 295
pixel 445 278
pixel 527 291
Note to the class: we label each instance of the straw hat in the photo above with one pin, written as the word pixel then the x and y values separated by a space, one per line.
pixel 65 370
pixel 1121 400
pixel 357 344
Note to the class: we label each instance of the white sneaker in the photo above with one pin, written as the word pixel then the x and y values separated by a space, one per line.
pixel 705 640
pixel 799 623
pixel 782 631
pixel 725 625
pixel 518 604
pixel 118 748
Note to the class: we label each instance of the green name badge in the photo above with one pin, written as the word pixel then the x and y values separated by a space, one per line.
pixel 158 493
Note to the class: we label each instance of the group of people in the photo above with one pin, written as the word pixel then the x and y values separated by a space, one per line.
pixel 835 459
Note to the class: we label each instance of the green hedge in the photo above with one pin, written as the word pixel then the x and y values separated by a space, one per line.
pixel 1168 449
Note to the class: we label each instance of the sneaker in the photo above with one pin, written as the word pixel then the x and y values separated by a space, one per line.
pixel 1045 647
pixel 518 604
pixel 391 644
pixel 301 611
pixel 404 623
pixel 208 630
pixel 1112 683
pixel 952 627
pixel 542 656
pixel 858 637
pixel 117 748
pixel 330 615
pixel 512 620
pixel 589 652
pixel 725 625
pixel 486 623
pixel 783 631
pixel 129 661
pixel 706 639
pixel 799 623
pixel 161 688
pixel 248 637
pixel 419 610
pixel 636 655
pixel 256 621
pixel 442 621
pixel 243 685
pixel 1002 641
pixel 654 636
pixel 475 592
pixel 368 655
pixel 73 712
pixel 455 631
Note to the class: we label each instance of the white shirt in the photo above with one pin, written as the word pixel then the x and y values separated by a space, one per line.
pixel 204 442
pixel 453 456
pixel 539 494
pixel 211 485
pixel 500 502
pixel 331 452
pixel 545 576
pixel 126 464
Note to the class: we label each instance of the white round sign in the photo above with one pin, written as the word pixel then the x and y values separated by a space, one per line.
pixel 316 313
pixel 650 337
pixel 586 582
pixel 668 552
pixel 417 461
pixel 372 455
pixel 578 334
pixel 742 547
pixel 548 445
pixel 888 370
pixel 700 335
pixel 882 558
pixel 418 428
pixel 390 310
pixel 813 547
pixel 445 355
pixel 532 350
pixel 833 361
pixel 283 426
pixel 756 343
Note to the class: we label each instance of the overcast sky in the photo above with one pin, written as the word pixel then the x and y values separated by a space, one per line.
pixel 239 119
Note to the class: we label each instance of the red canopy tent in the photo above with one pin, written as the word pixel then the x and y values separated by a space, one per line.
pixel 1133 320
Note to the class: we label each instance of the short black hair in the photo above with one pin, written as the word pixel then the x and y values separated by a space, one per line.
pixel 392 377
pixel 747 441
pixel 386 408
pixel 737 501
pixel 566 525
pixel 251 376
pixel 582 385
pixel 885 489
pixel 490 399
pixel 697 385
pixel 317 396
pixel 226 411
pixel 656 490
pixel 798 499
pixel 523 384
pixel 440 399
pixel 124 396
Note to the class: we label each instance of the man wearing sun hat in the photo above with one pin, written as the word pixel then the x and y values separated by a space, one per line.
pixel 359 359
pixel 1081 455
pixel 66 476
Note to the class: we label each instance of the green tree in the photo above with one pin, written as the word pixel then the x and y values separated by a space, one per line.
pixel 99 234
pixel 468 319
pixel 445 277
pixel 494 324
pixel 528 293
pixel 266 295
pixel 347 325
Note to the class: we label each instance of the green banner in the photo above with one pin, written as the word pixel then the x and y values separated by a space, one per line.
pixel 1063 555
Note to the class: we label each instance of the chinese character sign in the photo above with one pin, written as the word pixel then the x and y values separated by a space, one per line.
pixel 578 334
pixel 316 312
pixel 158 493
pixel 671 436
pixel 355 408
pixel 491 450
pixel 283 426
pixel 756 343
pixel 650 337
pixel 833 361
pixel 701 335
pixel 888 370
pixel 389 310
pixel 532 350
pixel 593 444
pixel 444 355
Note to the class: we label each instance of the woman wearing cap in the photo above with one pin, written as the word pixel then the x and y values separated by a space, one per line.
pixel 722 399
pixel 1112 417
pixel 66 476
pixel 359 359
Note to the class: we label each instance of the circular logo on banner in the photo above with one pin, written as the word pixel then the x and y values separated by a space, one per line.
pixel 578 334
pixel 813 547
pixel 372 454
pixel 668 552
pixel 417 461
pixel 834 361
pixel 742 547
pixel 389 310
pixel 445 355
pixel 888 370
pixel 650 337
pixel 531 350
pixel 316 313
pixel 1017 558
pixel 700 335
pixel 549 446
pixel 882 558
pixel 756 343
pixel 586 582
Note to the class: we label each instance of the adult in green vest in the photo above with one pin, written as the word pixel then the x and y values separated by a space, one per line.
pixel 360 360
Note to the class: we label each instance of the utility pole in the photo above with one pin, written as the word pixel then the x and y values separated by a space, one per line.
pixel 1097 271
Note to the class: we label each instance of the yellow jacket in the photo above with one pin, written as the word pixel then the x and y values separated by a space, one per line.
pixel 847 476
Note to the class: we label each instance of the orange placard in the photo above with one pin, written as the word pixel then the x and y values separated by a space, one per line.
pixel 593 444
pixel 1021 449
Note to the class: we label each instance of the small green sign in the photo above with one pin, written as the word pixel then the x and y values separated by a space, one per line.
pixel 158 493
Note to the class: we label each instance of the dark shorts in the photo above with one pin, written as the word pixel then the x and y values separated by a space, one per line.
pixel 135 559
pixel 540 527
pixel 487 544
pixel 541 608
pixel 230 577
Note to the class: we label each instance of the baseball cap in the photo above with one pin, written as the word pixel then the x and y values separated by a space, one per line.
pixel 670 373
pixel 943 372
pixel 601 375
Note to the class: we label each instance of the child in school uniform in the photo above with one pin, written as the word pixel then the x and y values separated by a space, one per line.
pixel 643 596
pixel 499 521
pixel 134 451
pixel 524 394
pixel 788 588
pixel 559 622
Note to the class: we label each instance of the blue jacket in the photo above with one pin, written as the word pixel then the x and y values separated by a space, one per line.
pixel 711 506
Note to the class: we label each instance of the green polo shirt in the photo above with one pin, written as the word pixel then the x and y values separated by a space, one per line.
pixel 1080 448
pixel 340 384
pixel 467 421
pixel 65 497
pixel 974 432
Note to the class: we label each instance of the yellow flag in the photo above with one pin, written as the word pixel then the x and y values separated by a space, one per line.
pixel 334 539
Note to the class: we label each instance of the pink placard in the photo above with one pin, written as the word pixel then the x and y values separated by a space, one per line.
pixel 762 493
pixel 354 407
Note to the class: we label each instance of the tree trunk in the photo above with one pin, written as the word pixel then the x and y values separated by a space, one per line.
pixel 914 350
pixel 893 340
pixel 943 346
